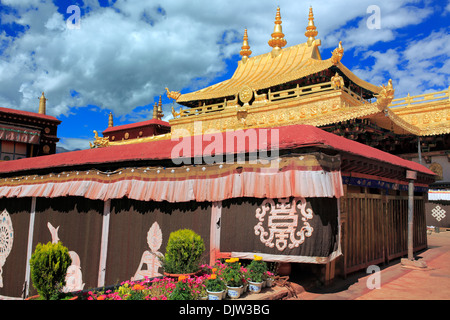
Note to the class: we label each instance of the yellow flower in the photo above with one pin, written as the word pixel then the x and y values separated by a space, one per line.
pixel 257 258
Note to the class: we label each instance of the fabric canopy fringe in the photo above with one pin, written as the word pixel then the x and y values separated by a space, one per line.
pixel 291 177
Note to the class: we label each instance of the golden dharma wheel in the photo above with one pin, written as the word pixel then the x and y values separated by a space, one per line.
pixel 246 94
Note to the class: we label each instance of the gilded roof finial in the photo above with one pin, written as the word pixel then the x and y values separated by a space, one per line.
pixel 157 110
pixel 245 52
pixel 311 30
pixel 42 104
pixel 110 120
pixel 277 41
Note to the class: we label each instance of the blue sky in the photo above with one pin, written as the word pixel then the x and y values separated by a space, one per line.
pixel 125 52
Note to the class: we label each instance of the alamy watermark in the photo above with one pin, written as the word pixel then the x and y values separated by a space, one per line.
pixel 232 146
pixel 374 280
pixel 374 20
pixel 74 21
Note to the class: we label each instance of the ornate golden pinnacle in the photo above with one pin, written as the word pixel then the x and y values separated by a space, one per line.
pixel 277 41
pixel 245 52
pixel 311 30
pixel 110 120
pixel 42 104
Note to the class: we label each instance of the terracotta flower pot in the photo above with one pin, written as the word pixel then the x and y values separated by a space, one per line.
pixel 284 269
pixel 176 275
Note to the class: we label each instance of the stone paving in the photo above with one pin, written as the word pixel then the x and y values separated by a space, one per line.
pixel 396 282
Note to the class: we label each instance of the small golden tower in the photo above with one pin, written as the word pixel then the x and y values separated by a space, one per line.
pixel 157 110
pixel 277 42
pixel 311 30
pixel 42 103
pixel 110 121
pixel 245 52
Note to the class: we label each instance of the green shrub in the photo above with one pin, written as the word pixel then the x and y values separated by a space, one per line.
pixel 48 264
pixel 183 252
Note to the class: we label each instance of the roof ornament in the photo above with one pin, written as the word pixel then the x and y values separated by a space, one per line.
pixel 245 52
pixel 311 30
pixel 42 103
pixel 277 42
pixel 110 120
pixel 157 110
pixel 100 142
pixel 386 95
pixel 173 94
pixel 337 54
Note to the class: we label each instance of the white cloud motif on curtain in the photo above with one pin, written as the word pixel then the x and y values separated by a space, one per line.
pixel 282 223
pixel 6 240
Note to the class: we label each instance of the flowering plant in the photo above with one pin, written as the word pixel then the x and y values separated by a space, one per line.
pixel 182 290
pixel 232 274
pixel 257 269
pixel 198 286
pixel 214 283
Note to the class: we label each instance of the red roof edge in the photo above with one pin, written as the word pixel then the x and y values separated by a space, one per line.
pixel 286 137
pixel 30 114
pixel 136 125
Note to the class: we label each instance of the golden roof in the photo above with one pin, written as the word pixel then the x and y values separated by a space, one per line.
pixel 264 71
pixel 423 115
pixel 269 69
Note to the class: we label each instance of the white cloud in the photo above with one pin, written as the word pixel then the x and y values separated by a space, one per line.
pixel 123 57
pixel 420 67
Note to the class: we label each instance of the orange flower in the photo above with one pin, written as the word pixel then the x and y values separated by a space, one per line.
pixel 102 297
pixel 181 278
pixel 213 276
pixel 138 287
pixel 214 270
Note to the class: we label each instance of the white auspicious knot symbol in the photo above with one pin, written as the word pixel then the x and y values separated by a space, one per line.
pixel 438 213
pixel 282 223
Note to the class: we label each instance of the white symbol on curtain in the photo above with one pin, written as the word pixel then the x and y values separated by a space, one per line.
pixel 150 258
pixel 438 213
pixel 6 240
pixel 282 223
pixel 74 277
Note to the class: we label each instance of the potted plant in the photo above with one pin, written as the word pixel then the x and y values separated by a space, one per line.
pixel 183 253
pixel 48 264
pixel 270 277
pixel 215 286
pixel 256 272
pixel 245 278
pixel 233 277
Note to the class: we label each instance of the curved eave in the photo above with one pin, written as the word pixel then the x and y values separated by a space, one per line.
pixel 309 67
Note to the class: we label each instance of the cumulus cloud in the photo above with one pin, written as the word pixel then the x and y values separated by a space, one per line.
pixel 124 55
pixel 421 67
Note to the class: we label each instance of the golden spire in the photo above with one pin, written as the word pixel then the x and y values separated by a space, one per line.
pixel 311 30
pixel 157 110
pixel 110 122
pixel 42 104
pixel 245 52
pixel 277 41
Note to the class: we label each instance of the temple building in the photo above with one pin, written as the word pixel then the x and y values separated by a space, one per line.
pixel 134 132
pixel 293 158
pixel 27 134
